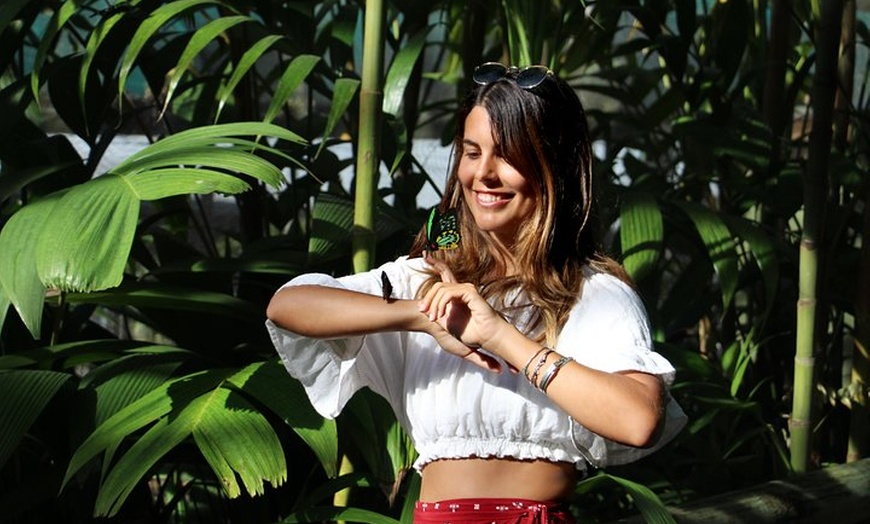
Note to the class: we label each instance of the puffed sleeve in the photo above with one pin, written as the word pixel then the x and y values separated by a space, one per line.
pixel 608 330
pixel 332 370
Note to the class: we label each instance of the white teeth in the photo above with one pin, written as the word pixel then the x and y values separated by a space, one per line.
pixel 488 197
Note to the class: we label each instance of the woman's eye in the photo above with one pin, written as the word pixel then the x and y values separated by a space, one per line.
pixel 472 154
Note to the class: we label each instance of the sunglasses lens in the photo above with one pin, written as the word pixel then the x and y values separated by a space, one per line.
pixel 489 72
pixel 532 76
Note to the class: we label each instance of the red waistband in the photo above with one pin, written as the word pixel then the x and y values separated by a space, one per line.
pixel 495 511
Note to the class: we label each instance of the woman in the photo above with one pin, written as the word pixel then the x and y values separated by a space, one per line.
pixel 512 357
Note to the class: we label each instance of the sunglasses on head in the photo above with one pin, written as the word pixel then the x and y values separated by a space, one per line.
pixel 526 77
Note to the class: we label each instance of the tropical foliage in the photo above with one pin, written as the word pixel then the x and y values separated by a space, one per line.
pixel 137 382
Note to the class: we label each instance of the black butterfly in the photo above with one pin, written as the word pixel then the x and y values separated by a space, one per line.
pixel 386 286
pixel 442 230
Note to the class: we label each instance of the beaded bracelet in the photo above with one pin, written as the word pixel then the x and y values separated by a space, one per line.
pixel 529 363
pixel 539 365
pixel 551 373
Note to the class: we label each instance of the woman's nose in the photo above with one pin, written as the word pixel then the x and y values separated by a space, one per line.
pixel 486 170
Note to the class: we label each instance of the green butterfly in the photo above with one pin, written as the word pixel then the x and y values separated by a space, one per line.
pixel 442 230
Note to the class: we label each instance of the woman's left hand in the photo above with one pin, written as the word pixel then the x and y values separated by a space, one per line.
pixel 461 310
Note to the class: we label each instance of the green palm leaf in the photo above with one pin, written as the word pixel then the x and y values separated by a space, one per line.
pixel 249 58
pixel 648 504
pixel 58 19
pixel 235 438
pixel 641 233
pixel 400 72
pixel 720 246
pixel 85 242
pixel 23 396
pixel 19 280
pixel 270 385
pixel 80 240
pixel 342 95
pixel 149 28
pixel 141 413
pixel 201 38
pixel 293 76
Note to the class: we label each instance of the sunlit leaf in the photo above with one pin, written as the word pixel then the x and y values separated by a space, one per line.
pixel 84 243
pixel 235 438
pixel 293 76
pixel 58 19
pixel 246 62
pixel 149 28
pixel 342 96
pixel 142 413
pixel 400 72
pixel 201 38
pixel 269 383
pixel 19 278
pixel 720 246
pixel 641 233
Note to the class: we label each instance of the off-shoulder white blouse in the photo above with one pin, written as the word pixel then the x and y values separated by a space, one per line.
pixel 454 409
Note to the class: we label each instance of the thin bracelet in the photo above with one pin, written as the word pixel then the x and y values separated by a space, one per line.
pixel 551 373
pixel 539 365
pixel 529 363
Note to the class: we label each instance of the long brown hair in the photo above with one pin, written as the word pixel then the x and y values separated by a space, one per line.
pixel 542 132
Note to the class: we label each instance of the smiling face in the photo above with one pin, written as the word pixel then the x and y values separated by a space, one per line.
pixel 499 197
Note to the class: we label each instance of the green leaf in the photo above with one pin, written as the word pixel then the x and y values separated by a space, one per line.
pixel 133 465
pixel 173 298
pixel 144 411
pixel 149 28
pixel 19 278
pixel 262 380
pixel 23 395
pixel 124 380
pixel 235 438
pixel 342 95
pixel 246 62
pixel 201 38
pixel 641 233
pixel 58 19
pixel 163 183
pixel 720 246
pixel 400 72
pixel 648 503
pixel 96 38
pixel 213 136
pixel 84 243
pixel 293 76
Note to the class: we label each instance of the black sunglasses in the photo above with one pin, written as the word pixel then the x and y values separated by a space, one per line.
pixel 527 77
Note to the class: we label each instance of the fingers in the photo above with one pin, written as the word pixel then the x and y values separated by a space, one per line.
pixel 442 296
pixel 457 348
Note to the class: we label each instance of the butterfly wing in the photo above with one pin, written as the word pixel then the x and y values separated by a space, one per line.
pixel 442 230
pixel 386 286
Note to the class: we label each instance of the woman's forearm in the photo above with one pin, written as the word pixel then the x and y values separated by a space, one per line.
pixel 625 407
pixel 325 312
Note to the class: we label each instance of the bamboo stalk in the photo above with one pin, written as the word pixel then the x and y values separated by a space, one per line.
pixel 827 35
pixel 367 161
pixel 368 149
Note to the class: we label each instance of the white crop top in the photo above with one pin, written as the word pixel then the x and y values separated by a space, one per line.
pixel 454 409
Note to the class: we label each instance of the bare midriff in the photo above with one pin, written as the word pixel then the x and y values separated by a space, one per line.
pixel 497 478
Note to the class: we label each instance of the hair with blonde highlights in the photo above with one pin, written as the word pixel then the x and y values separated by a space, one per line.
pixel 542 132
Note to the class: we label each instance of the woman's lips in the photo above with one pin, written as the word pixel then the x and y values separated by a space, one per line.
pixel 491 199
